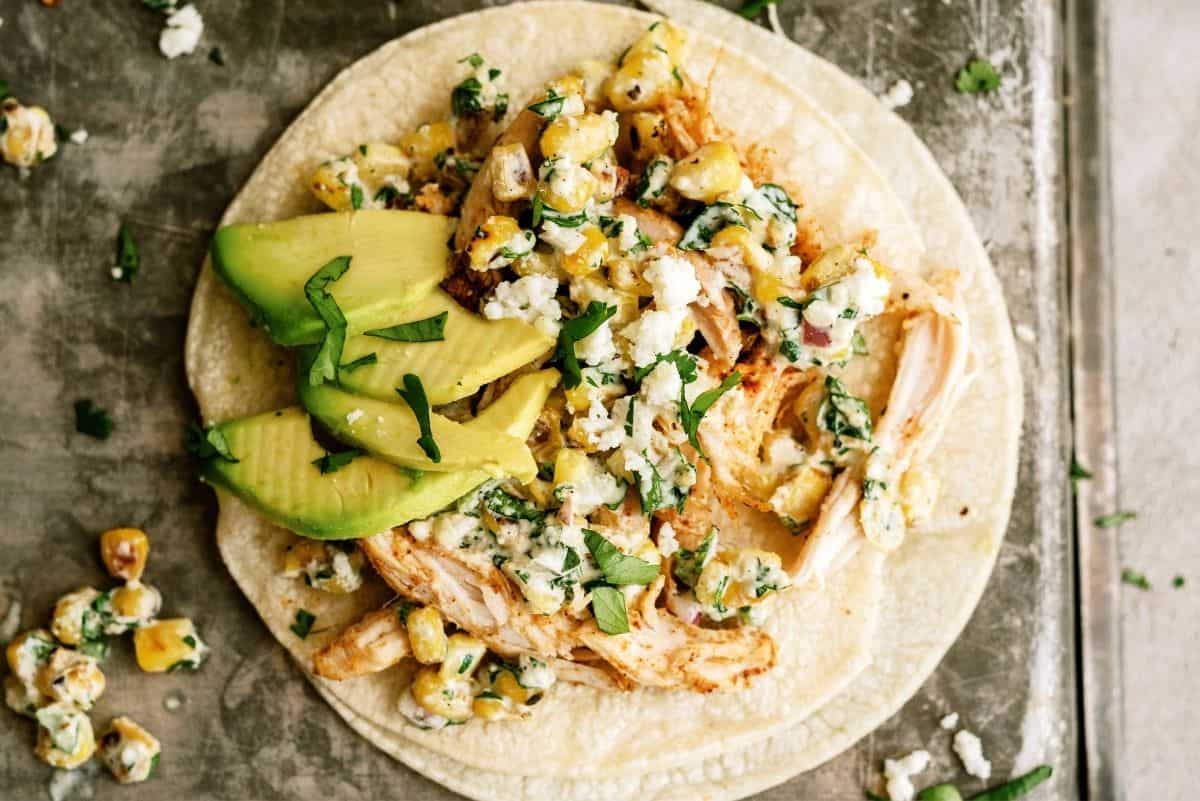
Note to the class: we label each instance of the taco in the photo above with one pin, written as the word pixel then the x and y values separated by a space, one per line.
pixel 636 461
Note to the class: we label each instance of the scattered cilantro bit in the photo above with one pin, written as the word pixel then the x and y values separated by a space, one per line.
pixel 216 56
pixel 466 662
pixel 684 362
pixel 324 366
pixel 501 504
pixel 596 314
pixel 541 212
pixel 842 414
pixel 90 419
pixel 550 108
pixel 858 345
pixel 403 610
pixel 608 605
pixel 1078 471
pixel 710 221
pixel 165 6
pixel 978 76
pixel 361 361
pixel 333 462
pixel 475 60
pixel 4 93
pixel 1115 519
pixel 688 564
pixel 128 260
pixel 97 649
pixel 1016 787
pixel 690 417
pixel 304 623
pixel 431 329
pixel 414 395
pixel 746 305
pixel 618 568
pixel 464 98
pixel 752 8
pixel 207 444
pixel 1177 582
pixel 356 196
pixel 1135 579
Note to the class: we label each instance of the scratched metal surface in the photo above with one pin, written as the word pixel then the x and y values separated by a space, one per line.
pixel 170 144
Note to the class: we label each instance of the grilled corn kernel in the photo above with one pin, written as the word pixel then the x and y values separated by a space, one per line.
pixel 578 398
pixel 580 138
pixel 738 240
pixel 566 187
pixel 171 644
pixel 662 37
pixel 132 605
pixel 463 654
pixel 489 706
pixel 128 751
pixel 65 737
pixel 71 677
pixel 512 174
pixel 734 579
pixel 918 493
pixel 604 169
pixel 74 619
pixel 27 138
pixel 799 498
pixel 835 264
pixel 647 131
pixel 124 552
pixel 324 566
pixel 447 698
pixel 536 263
pixel 589 256
pixel 371 177
pixel 642 82
pixel 427 141
pixel 497 243
pixel 708 173
pixel 626 275
pixel 24 699
pixel 427 635
pixel 687 331
pixel 766 287
pixel 505 683
pixel 27 653
pixel 566 86
pixel 589 288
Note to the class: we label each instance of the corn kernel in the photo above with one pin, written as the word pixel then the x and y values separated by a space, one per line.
pixel 834 264
pixel 427 141
pixel 463 655
pixel 647 132
pixel 171 644
pixel 589 256
pixel 65 737
pixel 800 497
pixel 918 494
pixel 738 239
pixel 324 566
pixel 27 138
pixel 578 398
pixel 662 37
pixel 134 605
pixel 71 677
pixel 512 174
pixel 580 138
pixel 490 707
pixel 27 653
pixel 590 287
pixel 124 552
pixel 22 698
pixel 427 635
pixel 567 85
pixel 766 287
pixel 571 466
pixel 642 82
pixel 129 751
pixel 74 619
pixel 505 684
pixel 498 242
pixel 709 172
pixel 566 187
pixel 450 699
pixel 626 275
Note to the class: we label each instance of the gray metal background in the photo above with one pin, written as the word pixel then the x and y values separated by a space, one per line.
pixel 172 142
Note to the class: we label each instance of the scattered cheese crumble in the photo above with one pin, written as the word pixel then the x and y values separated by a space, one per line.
pixel 899 95
pixel 899 773
pixel 80 136
pixel 950 721
pixel 181 34
pixel 970 750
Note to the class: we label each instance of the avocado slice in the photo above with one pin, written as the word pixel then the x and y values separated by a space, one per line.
pixel 275 474
pixel 390 431
pixel 397 259
pixel 476 351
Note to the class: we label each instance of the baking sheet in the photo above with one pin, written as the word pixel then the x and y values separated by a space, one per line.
pixel 172 141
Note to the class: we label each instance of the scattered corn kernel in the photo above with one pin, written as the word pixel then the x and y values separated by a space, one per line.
pixel 427 635
pixel 74 618
pixel 566 187
pixel 27 138
pixel 709 172
pixel 643 81
pixel 124 552
pixel 799 498
pixel 65 737
pixel 463 655
pixel 324 565
pixel 498 242
pixel 130 752
pixel 489 706
pixel 168 645
pixel 662 37
pixel 428 140
pixel 132 605
pixel 581 137
pixel 918 494
pixel 589 256
pixel 27 653
pixel 738 240
pixel 22 698
pixel 647 131
pixel 71 677
pixel 834 264
pixel 450 699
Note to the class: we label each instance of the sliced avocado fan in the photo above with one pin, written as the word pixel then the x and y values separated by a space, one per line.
pixel 276 476
pixel 397 258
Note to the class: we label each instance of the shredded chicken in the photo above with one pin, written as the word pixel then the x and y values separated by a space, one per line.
pixel 374 643
pixel 716 317
pixel 654 224
pixel 660 650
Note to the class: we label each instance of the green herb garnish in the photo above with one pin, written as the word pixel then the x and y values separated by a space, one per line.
pixel 207 444
pixel 128 259
pixel 842 414
pixel 356 196
pixel 710 221
pixel 1177 582
pixel 431 329
pixel 1079 472
pixel 304 623
pixel 325 364
pixel 596 314
pixel 333 462
pixel 608 605
pixel 1135 579
pixel 978 76
pixel 414 395
pixel 858 345
pixel 90 419
pixel 690 416
pixel 1115 519
pixel 549 108
pixel 1016 787
pixel 684 362
pixel 618 568
pixel 96 648
pixel 501 504
pixel 688 564
pixel 216 56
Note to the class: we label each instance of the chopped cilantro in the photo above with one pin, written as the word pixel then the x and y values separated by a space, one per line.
pixel 207 444
pixel 324 366
pixel 978 76
pixel 618 568
pixel 128 259
pixel 403 610
pixel 940 792
pixel 684 362
pixel 304 623
pixel 216 56
pixel 501 504
pixel 475 60
pixel 414 395
pixel 90 419
pixel 356 196
pixel 333 462
pixel 842 414
pixel 1177 582
pixel 608 605
pixel 596 314
pixel 1079 472
pixel 1135 579
pixel 712 219
pixel 549 108
pixel 431 329
pixel 96 648
pixel 1115 519
pixel 690 416
pixel 858 345
pixel 688 564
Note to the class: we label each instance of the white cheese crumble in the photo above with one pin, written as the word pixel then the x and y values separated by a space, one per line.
pixel 661 388
pixel 667 544
pixel 181 34
pixel 970 750
pixel 653 334
pixel 674 281
pixel 950 721
pixel 899 773
pixel 597 347
pixel 567 240
pixel 535 674
pixel 530 299
pixel 898 96
pixel 354 416
pixel 79 136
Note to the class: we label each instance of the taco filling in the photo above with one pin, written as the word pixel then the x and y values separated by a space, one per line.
pixel 634 342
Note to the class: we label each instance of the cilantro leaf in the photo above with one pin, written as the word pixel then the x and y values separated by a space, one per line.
pixel 688 564
pixel 608 605
pixel 549 108
pixel 356 196
pixel 216 56
pixel 465 97
pixel 690 416
pixel 90 419
pixel 128 259
pixel 431 329
pixel 618 568
pixel 978 76
pixel 684 362
pixel 710 221
pixel 858 345
pixel 304 623
pixel 752 8
pixel 1135 579
pixel 596 314
pixel 207 444
pixel 475 60
pixel 1115 519
pixel 325 364
pixel 1177 582
pixel 1078 471
pixel 414 395
pixel 842 414
pixel 361 361
pixel 501 504
pixel 333 462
